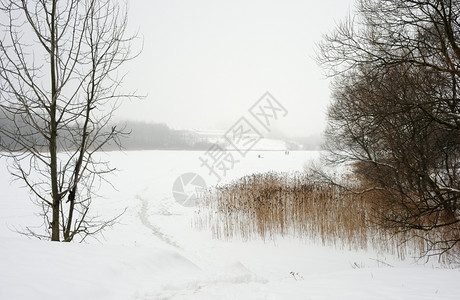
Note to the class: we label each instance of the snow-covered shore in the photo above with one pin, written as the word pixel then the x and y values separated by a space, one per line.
pixel 156 252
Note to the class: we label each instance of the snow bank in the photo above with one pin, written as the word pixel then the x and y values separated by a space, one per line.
pixel 42 270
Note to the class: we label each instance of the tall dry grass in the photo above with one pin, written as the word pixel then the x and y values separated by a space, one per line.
pixel 278 204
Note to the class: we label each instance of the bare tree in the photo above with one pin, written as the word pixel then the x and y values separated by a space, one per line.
pixel 59 88
pixel 396 114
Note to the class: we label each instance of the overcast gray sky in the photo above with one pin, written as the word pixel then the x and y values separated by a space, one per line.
pixel 205 62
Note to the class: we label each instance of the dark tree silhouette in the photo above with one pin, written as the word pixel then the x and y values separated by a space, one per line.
pixel 395 114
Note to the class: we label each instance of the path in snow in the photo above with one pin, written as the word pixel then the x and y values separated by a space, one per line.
pixel 144 217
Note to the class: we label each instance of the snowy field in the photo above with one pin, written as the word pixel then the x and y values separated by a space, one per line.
pixel 156 252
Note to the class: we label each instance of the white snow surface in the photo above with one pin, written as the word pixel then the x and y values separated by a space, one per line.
pixel 156 251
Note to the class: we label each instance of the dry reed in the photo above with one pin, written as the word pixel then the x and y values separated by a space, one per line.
pixel 278 204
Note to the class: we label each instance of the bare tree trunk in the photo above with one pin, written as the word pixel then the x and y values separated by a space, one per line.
pixel 53 131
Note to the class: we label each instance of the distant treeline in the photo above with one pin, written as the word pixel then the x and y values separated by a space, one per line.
pixel 158 136
pixel 139 136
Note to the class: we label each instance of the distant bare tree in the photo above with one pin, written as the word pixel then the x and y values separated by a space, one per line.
pixel 396 113
pixel 58 91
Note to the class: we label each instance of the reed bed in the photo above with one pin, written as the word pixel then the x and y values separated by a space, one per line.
pixel 273 204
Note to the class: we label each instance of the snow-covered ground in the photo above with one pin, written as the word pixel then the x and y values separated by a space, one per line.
pixel 157 252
